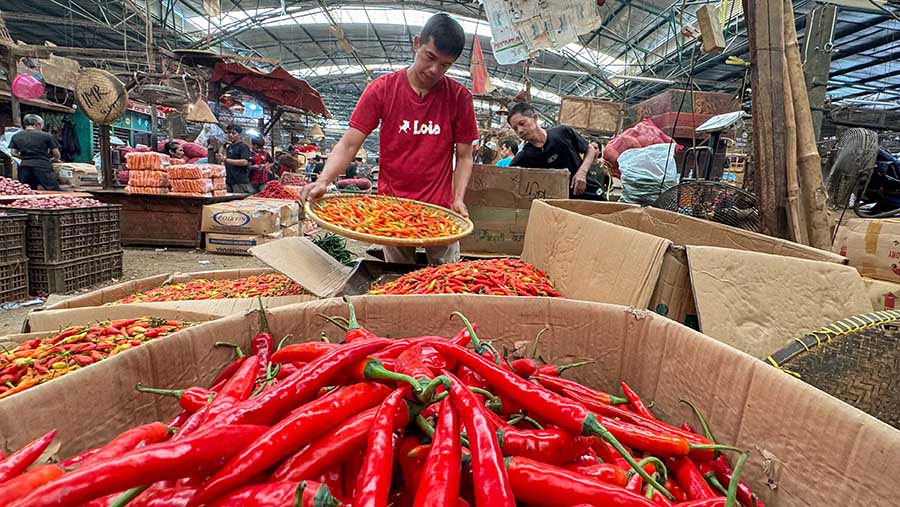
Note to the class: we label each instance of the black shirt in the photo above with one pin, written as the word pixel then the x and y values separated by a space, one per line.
pixel 237 175
pixel 564 149
pixel 34 147
pixel 351 171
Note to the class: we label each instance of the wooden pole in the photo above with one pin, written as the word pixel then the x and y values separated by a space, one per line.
pixel 809 164
pixel 11 68
pixel 105 157
pixel 764 21
pixel 796 217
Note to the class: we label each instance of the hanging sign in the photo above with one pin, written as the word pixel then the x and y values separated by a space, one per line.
pixel 101 96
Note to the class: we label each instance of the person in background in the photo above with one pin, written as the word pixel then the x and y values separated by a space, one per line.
pixel 508 150
pixel 558 147
pixel 237 162
pixel 173 149
pixel 353 169
pixel 427 123
pixel 37 151
pixel 286 163
pixel 260 165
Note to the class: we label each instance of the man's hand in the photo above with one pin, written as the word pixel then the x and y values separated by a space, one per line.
pixel 460 207
pixel 579 183
pixel 313 190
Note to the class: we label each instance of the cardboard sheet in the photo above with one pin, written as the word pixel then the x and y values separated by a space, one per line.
pixel 817 451
pixel 305 263
pixel 592 260
pixel 758 302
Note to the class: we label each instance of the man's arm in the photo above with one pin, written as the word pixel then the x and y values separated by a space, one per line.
pixel 54 155
pixel 579 180
pixel 337 163
pixel 461 177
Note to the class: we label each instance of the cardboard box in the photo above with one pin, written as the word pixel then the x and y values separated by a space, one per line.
pixel 290 210
pixel 883 294
pixel 240 244
pixel 499 200
pixel 872 246
pixel 749 403
pixel 78 175
pixel 248 216
pixel 591 114
pixel 92 307
pixel 624 254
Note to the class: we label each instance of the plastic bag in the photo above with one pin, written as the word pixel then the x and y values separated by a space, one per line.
pixel 209 131
pixel 200 186
pixel 148 179
pixel 647 172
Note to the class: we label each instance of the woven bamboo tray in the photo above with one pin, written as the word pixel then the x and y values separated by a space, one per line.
pixel 856 360
pixel 464 223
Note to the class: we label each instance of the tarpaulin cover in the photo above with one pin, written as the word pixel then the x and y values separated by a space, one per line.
pixel 278 88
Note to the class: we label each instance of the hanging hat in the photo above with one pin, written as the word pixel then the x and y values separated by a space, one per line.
pixel 199 112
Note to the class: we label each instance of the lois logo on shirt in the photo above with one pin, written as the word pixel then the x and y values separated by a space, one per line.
pixel 419 129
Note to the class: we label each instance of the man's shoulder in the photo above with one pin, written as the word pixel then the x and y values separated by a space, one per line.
pixel 457 89
pixel 559 129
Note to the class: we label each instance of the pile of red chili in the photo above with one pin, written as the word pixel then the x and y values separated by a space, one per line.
pixel 274 190
pixel 269 285
pixel 373 422
pixel 498 277
pixel 387 217
pixel 40 360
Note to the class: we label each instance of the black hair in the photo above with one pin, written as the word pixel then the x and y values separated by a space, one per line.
pixel 512 145
pixel 235 128
pixel 170 146
pixel 523 108
pixel 258 141
pixel 448 35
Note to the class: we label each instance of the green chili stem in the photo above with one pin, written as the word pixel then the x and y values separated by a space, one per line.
pixel 177 393
pixel 427 392
pixel 714 482
pixel 263 321
pixel 660 467
pixel 537 341
pixel 617 400
pixel 735 479
pixel 524 417
pixel 283 341
pixel 703 424
pixel 476 342
pixel 593 427
pixel 236 347
pixel 298 495
pixel 336 321
pixel 352 322
pixel 128 496
pixel 425 426
pixel 375 370
pixel 565 367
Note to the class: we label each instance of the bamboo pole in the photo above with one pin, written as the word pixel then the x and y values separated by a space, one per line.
pixel 809 164
pixel 795 213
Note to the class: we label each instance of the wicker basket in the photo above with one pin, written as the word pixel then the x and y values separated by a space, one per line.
pixel 464 223
pixel 856 360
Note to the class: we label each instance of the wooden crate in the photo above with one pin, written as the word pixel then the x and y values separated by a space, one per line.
pixel 591 114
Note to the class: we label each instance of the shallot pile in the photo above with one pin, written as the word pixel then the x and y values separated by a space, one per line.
pixel 9 186
pixel 56 202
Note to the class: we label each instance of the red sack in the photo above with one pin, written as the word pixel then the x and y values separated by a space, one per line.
pixel 644 134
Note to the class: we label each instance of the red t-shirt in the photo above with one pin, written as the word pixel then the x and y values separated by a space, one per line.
pixel 417 135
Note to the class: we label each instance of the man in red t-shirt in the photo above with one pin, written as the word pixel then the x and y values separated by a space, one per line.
pixel 425 119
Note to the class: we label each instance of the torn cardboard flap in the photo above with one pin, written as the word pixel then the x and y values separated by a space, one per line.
pixel 592 260
pixel 303 262
pixel 757 302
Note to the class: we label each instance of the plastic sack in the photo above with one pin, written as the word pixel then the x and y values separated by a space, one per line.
pixel 196 171
pixel 146 161
pixel 218 183
pixel 199 186
pixel 647 172
pixel 26 86
pixel 148 179
pixel 146 190
pixel 644 134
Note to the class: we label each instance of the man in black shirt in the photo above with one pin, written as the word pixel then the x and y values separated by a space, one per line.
pixel 558 147
pixel 237 162
pixel 37 151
